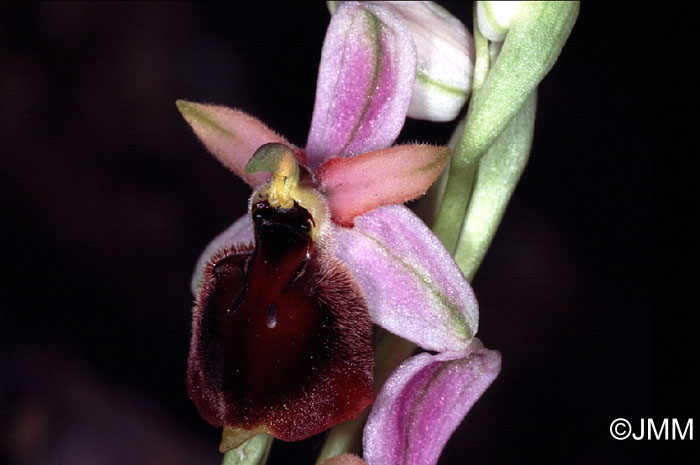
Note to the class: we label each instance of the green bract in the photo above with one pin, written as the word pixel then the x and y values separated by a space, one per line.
pixel 529 51
pixel 253 452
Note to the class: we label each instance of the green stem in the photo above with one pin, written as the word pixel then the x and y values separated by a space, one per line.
pixel 454 204
pixel 344 438
pixel 482 62
pixel 498 174
pixel 462 168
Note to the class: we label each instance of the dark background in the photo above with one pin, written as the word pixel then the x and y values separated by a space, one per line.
pixel 108 198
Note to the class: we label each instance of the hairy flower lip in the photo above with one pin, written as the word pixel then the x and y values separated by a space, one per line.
pixel 258 302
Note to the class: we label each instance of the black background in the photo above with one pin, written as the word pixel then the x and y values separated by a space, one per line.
pixel 108 198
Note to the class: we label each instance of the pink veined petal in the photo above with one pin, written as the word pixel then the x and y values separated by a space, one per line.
pixel 231 136
pixel 413 286
pixel 365 83
pixel 239 234
pixel 422 404
pixel 353 186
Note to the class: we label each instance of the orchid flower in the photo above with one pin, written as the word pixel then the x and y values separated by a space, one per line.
pixel 285 297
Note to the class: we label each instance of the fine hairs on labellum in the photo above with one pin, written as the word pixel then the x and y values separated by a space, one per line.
pixel 281 340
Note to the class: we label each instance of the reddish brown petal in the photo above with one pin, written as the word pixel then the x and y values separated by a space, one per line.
pixel 353 186
pixel 281 336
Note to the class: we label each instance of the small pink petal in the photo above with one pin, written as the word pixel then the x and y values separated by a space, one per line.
pixel 239 234
pixel 422 404
pixel 412 284
pixel 345 459
pixel 365 82
pixel 231 136
pixel 353 186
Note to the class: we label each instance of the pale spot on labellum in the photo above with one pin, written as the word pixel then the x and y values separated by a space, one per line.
pixel 271 316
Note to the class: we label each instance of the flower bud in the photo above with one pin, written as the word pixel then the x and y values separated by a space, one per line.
pixel 495 18
pixel 445 58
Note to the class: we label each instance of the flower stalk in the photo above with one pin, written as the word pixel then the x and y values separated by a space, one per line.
pixel 458 185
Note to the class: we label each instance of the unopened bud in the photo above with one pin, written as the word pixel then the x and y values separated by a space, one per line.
pixel 495 18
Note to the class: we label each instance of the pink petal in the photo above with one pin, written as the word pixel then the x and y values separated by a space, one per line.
pixel 230 135
pixel 365 83
pixel 412 285
pixel 353 186
pixel 239 234
pixel 422 404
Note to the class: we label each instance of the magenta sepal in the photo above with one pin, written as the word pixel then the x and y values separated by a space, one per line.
pixel 423 402
pixel 365 83
pixel 412 284
pixel 231 135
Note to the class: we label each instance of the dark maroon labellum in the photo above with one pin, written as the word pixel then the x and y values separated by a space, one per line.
pixel 281 335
